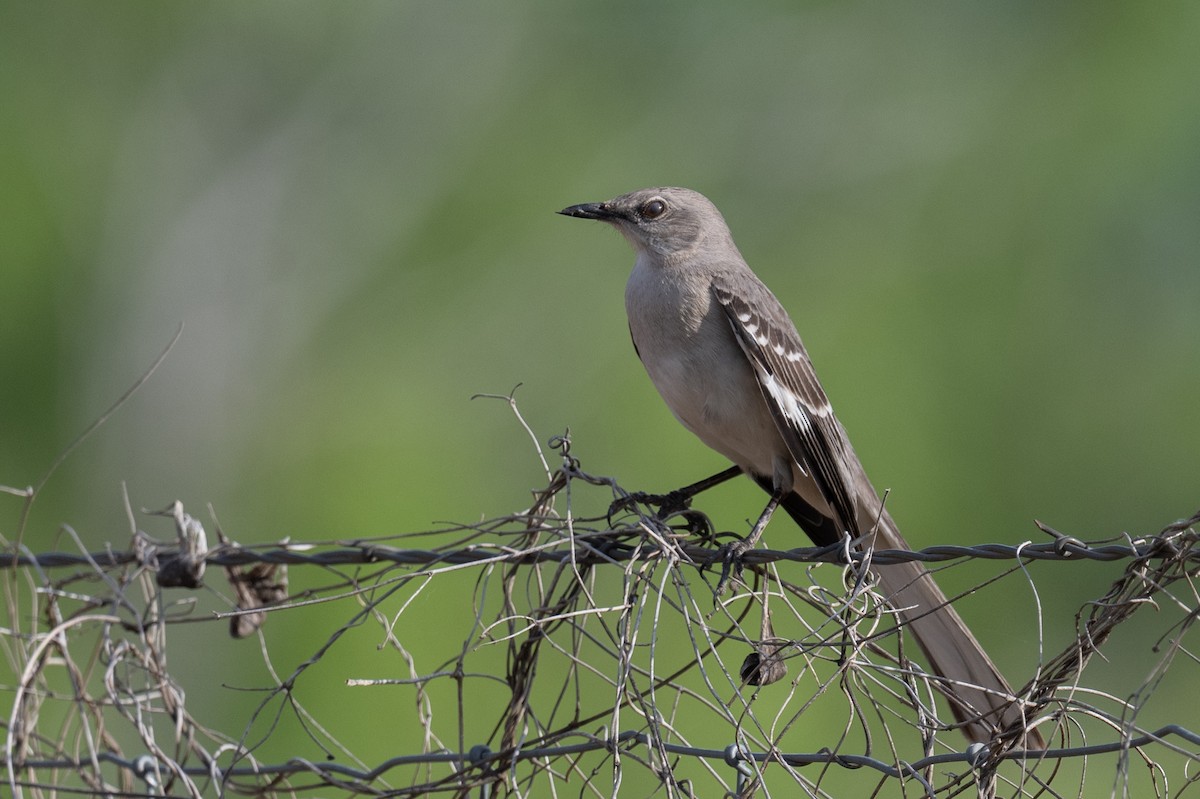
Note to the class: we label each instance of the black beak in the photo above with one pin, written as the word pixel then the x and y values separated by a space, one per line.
pixel 601 211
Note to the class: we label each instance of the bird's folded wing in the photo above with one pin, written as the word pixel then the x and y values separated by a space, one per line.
pixel 789 385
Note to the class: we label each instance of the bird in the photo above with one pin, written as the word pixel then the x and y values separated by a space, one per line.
pixel 728 361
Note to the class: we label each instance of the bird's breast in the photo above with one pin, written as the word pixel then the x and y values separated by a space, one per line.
pixel 691 355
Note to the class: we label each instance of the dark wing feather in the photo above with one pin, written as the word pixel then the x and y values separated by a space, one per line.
pixel 789 385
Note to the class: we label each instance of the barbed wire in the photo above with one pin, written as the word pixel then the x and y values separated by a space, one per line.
pixel 147 769
pixel 591 551
pixel 597 661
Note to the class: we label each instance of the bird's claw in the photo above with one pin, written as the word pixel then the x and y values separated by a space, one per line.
pixel 732 564
pixel 666 504
pixel 674 503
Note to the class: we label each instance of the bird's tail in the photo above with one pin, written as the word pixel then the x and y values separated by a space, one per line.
pixel 979 696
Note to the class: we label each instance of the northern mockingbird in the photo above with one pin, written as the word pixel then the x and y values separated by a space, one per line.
pixel 727 359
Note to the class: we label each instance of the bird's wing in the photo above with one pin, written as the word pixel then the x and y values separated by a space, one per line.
pixel 790 387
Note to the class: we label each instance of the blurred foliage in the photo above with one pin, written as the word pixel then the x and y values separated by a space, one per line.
pixel 983 218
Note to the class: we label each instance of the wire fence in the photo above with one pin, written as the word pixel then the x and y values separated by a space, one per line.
pixel 552 652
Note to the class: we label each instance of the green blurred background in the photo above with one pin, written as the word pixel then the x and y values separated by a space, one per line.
pixel 984 218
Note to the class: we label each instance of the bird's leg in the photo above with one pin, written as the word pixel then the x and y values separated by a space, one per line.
pixel 678 500
pixel 756 532
pixel 731 554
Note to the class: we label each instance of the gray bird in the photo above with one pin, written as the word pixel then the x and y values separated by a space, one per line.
pixel 727 359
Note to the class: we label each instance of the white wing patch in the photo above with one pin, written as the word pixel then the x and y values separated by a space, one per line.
pixel 791 405
pixel 786 401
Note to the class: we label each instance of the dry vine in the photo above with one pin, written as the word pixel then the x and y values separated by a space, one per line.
pixel 593 658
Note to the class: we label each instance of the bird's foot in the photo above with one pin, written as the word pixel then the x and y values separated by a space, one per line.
pixel 732 564
pixel 665 504
pixel 674 503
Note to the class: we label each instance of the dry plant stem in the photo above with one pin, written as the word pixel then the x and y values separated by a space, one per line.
pixel 615 671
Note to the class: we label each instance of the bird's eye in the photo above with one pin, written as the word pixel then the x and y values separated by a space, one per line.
pixel 653 209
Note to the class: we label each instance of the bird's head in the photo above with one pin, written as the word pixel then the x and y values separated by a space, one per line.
pixel 666 222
